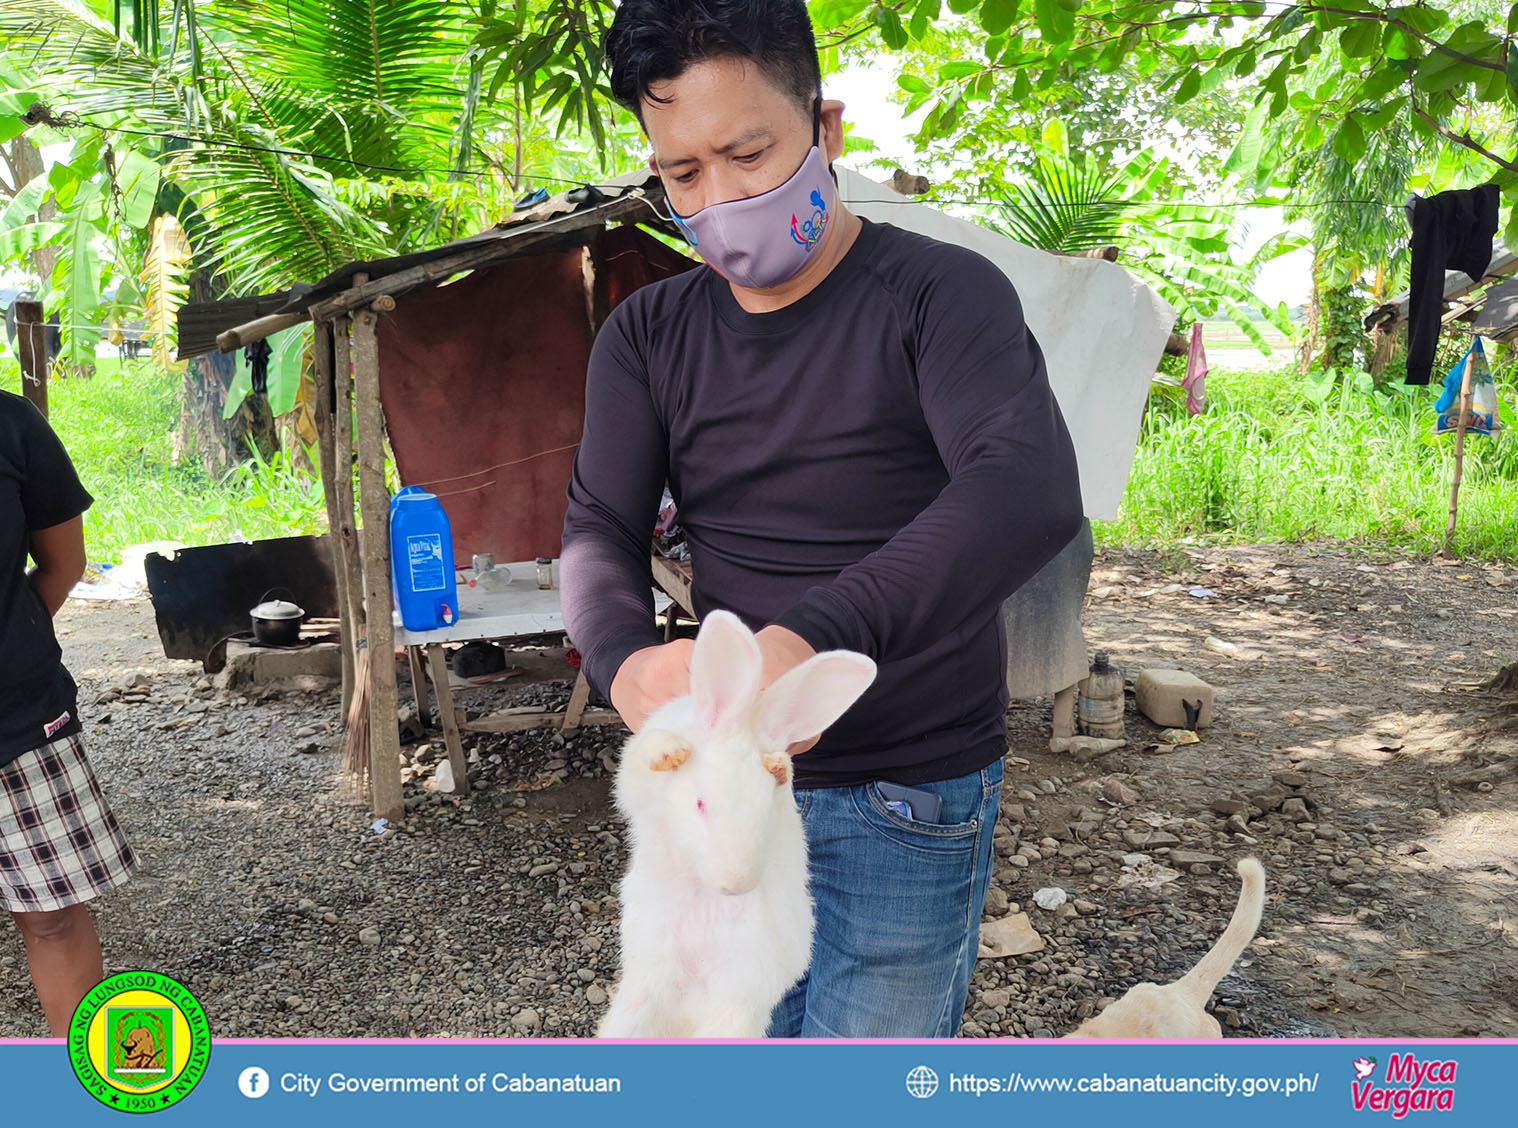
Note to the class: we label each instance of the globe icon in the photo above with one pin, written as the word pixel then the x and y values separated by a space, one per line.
pixel 922 1082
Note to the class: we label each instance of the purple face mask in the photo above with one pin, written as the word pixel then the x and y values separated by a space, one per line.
pixel 763 241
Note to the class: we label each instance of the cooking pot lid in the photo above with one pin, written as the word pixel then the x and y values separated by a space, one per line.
pixel 278 609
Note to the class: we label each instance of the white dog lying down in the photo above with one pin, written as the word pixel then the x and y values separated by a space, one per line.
pixel 1179 1009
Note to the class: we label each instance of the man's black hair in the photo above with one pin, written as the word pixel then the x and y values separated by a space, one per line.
pixel 654 40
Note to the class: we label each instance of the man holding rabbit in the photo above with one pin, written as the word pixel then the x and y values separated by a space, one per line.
pixel 858 429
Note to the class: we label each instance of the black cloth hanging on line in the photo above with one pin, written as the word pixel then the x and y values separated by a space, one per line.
pixel 257 354
pixel 1451 231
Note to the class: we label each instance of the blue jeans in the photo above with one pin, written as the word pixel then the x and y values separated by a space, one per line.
pixel 898 911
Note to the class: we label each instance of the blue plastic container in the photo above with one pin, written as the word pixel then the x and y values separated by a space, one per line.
pixel 421 560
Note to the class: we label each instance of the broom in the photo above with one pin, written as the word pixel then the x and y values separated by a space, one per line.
pixel 356 752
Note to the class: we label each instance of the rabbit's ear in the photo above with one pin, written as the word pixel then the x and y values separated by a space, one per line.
pixel 806 700
pixel 724 670
pixel 658 750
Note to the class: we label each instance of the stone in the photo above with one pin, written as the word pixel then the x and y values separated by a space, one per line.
pixel 526 1019
pixel 996 901
pixel 1237 824
pixel 1159 695
pixel 1295 809
pixel 1011 936
pixel 1193 858
pixel 1116 791
pixel 1340 875
pixel 1149 839
pixel 1269 800
pixel 595 996
pixel 369 937
pixel 996 998
pixel 306 905
pixel 1293 780
pixel 1230 806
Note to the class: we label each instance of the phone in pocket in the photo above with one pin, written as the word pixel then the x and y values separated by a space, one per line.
pixel 913 802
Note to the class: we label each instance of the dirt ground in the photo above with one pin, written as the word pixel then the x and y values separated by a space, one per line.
pixel 1391 891
pixel 1361 679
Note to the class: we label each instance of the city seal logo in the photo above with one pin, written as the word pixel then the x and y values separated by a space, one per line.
pixel 139 1041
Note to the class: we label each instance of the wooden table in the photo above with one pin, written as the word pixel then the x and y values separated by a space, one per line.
pixel 519 610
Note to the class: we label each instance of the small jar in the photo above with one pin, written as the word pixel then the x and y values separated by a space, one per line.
pixel 545 573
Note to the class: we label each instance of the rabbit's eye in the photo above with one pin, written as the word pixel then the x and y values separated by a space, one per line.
pixel 700 807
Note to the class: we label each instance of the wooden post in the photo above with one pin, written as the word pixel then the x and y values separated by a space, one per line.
pixel 326 449
pixel 374 500
pixel 575 710
pixel 418 684
pixel 31 339
pixel 451 740
pixel 342 460
pixel 1454 491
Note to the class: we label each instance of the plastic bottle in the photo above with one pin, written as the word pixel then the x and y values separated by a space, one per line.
pixel 421 560
pixel 1100 708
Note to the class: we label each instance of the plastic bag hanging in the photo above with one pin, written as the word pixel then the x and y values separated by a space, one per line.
pixel 1484 416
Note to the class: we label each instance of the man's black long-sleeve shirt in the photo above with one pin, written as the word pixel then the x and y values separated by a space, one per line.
pixel 876 466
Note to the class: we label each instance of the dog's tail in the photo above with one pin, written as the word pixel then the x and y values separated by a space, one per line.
pixel 1200 980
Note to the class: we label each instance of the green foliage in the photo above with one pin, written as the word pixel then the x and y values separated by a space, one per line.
pixel 118 428
pixel 1447 70
pixel 1072 201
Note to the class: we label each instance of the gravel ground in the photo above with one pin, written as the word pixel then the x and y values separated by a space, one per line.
pixel 266 890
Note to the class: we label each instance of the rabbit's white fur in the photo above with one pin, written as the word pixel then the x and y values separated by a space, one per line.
pixel 716 914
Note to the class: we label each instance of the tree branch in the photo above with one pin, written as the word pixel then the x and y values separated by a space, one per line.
pixel 1465 139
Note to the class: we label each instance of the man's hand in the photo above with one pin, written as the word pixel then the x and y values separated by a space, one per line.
pixel 656 675
pixel 649 678
pixel 783 650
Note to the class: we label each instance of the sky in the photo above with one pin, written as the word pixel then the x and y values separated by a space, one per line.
pixel 865 91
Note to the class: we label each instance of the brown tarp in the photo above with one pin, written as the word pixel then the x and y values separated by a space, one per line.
pixel 483 386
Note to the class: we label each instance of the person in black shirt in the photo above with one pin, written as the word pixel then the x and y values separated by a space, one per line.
pixel 859 432
pixel 60 845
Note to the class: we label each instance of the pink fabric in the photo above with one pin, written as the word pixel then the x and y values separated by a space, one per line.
pixel 1195 380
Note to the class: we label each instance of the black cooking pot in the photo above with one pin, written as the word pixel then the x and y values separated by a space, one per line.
pixel 277 622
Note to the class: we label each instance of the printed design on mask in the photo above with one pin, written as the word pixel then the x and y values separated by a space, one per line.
pixel 809 232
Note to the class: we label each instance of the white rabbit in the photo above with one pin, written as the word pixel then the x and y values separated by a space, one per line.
pixel 716 914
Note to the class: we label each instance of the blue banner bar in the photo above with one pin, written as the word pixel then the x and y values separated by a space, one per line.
pixel 1005 1083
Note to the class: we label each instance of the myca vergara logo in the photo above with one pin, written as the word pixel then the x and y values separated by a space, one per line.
pixel 1408 1085
pixel 139 1041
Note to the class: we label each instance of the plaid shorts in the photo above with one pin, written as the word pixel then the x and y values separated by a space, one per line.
pixel 59 843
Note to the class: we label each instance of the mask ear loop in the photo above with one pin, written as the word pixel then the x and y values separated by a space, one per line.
pixel 817 133
pixel 670 218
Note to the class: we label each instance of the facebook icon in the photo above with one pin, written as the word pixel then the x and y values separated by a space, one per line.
pixel 253 1082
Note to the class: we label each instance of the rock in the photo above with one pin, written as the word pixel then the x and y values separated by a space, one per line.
pixel 1011 936
pixel 1193 858
pixel 1293 780
pixel 1229 806
pixel 1296 810
pixel 1340 875
pixel 1086 908
pixel 996 901
pixel 1269 800
pixel 369 937
pixel 330 918
pixel 1149 839
pixel 1237 824
pixel 1132 861
pixel 595 996
pixel 293 1001
pixel 526 1019
pixel 996 998
pixel 306 905
pixel 1116 791
pixel 1050 898
pixel 543 869
pixel 1019 861
pixel 1218 646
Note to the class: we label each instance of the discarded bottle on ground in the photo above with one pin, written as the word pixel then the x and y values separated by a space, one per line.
pixel 1100 707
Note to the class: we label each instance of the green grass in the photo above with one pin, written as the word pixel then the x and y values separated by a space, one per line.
pixel 1265 464
pixel 118 427
pixel 1262 464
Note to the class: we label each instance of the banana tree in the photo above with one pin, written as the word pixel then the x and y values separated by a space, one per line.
pixel 1071 201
